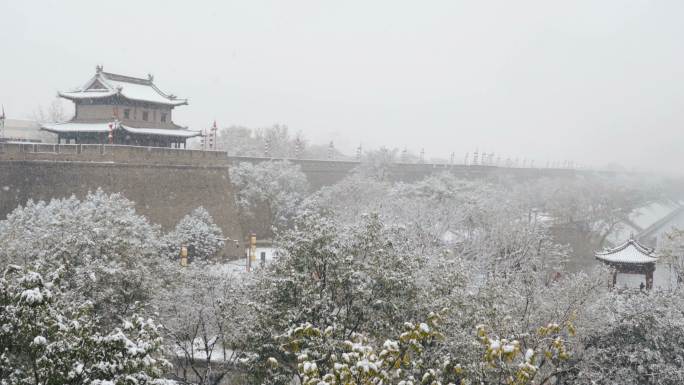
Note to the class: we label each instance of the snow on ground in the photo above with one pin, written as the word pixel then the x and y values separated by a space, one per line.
pixel 199 353
pixel 239 266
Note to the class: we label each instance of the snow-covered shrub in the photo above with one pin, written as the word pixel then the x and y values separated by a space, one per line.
pixel 404 359
pixel 196 230
pixel 48 339
pixel 110 253
pixel 639 339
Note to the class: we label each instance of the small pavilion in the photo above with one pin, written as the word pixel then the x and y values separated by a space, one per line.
pixel 630 257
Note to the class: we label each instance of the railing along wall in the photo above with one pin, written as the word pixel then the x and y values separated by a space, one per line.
pixel 110 154
pixel 15 151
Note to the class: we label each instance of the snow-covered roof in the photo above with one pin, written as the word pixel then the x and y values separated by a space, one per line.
pixel 651 220
pixel 71 127
pixel 105 84
pixel 629 252
pixel 162 131
pixel 648 215
pixel 63 128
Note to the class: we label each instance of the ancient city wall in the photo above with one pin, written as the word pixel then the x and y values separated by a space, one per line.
pixel 166 183
pixel 164 193
pixel 319 172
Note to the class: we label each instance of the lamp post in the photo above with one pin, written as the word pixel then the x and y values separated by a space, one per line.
pixel 212 137
pixel 298 147
pixel 112 126
pixel 203 139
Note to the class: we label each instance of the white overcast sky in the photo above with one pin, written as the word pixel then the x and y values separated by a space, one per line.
pixel 591 81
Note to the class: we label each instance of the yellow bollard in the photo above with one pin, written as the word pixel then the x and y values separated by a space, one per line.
pixel 251 252
pixel 252 247
pixel 184 255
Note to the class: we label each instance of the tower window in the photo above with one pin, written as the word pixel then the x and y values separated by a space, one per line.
pixel 127 113
pixel 163 117
pixel 146 115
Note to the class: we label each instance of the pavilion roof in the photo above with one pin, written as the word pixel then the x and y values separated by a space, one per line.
pixel 106 84
pixel 630 252
pixel 71 127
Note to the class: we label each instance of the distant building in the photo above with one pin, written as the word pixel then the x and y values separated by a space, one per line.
pixel 120 109
pixel 21 130
pixel 649 224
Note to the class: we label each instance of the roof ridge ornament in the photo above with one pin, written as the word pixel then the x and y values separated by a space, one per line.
pixel 150 77
pixel 98 68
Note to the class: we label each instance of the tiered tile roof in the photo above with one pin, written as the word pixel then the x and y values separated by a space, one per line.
pixel 630 252
pixel 105 84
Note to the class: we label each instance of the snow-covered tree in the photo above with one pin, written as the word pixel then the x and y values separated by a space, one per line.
pixel 268 194
pixel 357 278
pixel 48 339
pixel 243 141
pixel 206 316
pixel 671 251
pixel 593 204
pixel 110 254
pixel 52 114
pixel 351 197
pixel 434 210
pixel 198 230
pixel 377 164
